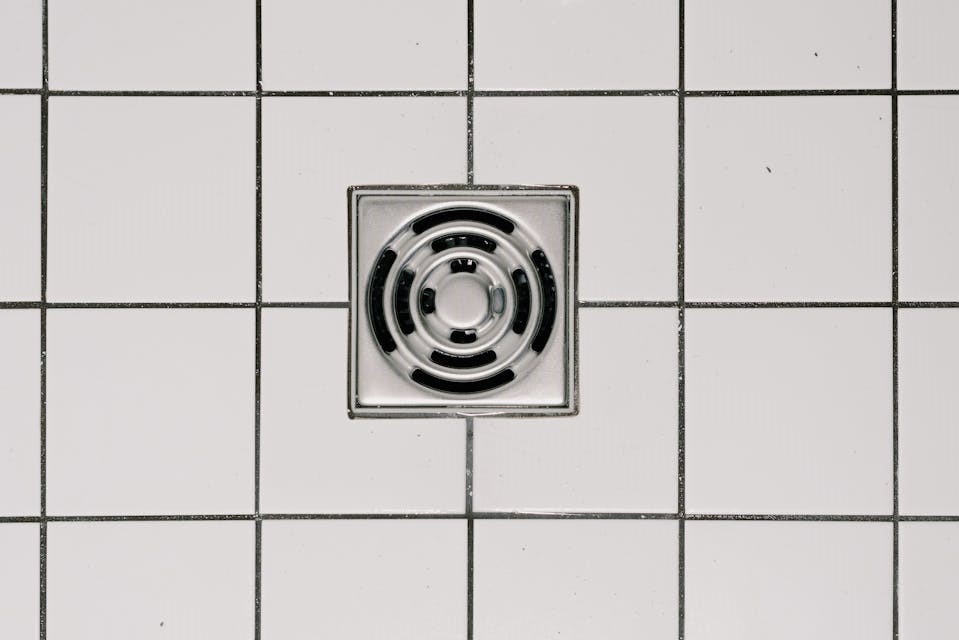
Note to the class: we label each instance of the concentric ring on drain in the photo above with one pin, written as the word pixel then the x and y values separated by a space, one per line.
pixel 406 286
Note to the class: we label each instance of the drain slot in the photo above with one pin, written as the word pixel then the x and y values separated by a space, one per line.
pixel 521 318
pixel 463 240
pixel 431 220
pixel 402 302
pixel 463 336
pixel 466 386
pixel 427 301
pixel 463 362
pixel 377 286
pixel 461 265
pixel 548 284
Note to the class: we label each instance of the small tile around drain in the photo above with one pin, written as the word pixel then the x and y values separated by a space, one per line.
pixel 462 300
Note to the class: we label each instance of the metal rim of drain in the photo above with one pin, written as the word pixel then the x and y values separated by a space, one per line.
pixel 419 266
pixel 451 288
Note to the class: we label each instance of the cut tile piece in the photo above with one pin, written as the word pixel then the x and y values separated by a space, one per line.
pixel 926 44
pixel 788 580
pixel 145 45
pixel 346 579
pixel 150 580
pixel 928 192
pixel 162 210
pixel 315 459
pixel 364 44
pixel 928 411
pixel 780 44
pixel 20 421
pixel 314 148
pixel 19 196
pixel 789 411
pixel 788 198
pixel 19 581
pixel 21 44
pixel 619 454
pixel 621 153
pixel 150 411
pixel 577 579
pixel 557 44
pixel 928 580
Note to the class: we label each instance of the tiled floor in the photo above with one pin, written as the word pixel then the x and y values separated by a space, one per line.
pixel 768 321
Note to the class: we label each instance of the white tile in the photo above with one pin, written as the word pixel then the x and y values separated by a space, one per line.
pixel 148 45
pixel 150 411
pixel 20 417
pixel 364 44
pixel 928 580
pixel 619 454
pixel 19 581
pixel 782 44
pixel 19 197
pixel 928 411
pixel 150 580
pixel 577 579
pixel 788 580
pixel 926 44
pixel 788 198
pixel 21 43
pixel 315 459
pixel 621 153
pixel 347 579
pixel 314 148
pixel 151 199
pixel 558 44
pixel 789 411
pixel 928 191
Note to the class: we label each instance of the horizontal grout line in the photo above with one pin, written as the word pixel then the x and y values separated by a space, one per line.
pixel 584 304
pixel 480 93
pixel 488 515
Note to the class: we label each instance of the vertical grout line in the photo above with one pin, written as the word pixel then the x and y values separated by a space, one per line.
pixel 468 498
pixel 44 121
pixel 681 324
pixel 258 331
pixel 894 124
pixel 470 91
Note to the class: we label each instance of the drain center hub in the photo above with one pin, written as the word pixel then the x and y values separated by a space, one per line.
pixel 462 301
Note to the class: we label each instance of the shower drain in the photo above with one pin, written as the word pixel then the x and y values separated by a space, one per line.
pixel 461 301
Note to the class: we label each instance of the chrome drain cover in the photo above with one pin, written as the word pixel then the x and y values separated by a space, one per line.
pixel 462 300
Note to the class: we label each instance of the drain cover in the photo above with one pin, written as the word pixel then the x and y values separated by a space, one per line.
pixel 462 301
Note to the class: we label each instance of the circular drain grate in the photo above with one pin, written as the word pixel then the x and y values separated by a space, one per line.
pixel 462 300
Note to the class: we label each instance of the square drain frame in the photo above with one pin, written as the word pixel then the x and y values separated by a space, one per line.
pixel 409 356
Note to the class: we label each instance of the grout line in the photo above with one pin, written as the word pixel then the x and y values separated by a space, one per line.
pixel 681 324
pixel 470 175
pixel 44 163
pixel 258 332
pixel 894 129
pixel 470 88
pixel 487 515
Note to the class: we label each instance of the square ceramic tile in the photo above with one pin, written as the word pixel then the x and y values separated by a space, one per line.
pixel 781 44
pixel 20 422
pixel 150 580
pixel 619 454
pixel 926 44
pixel 150 411
pixel 348 579
pixel 21 43
pixel 789 411
pixel 364 44
pixel 928 411
pixel 576 579
pixel 163 210
pixel 315 459
pixel 788 580
pixel 928 190
pixel 788 198
pixel 621 153
pixel 928 580
pixel 19 581
pixel 314 148
pixel 19 197
pixel 557 44
pixel 146 45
